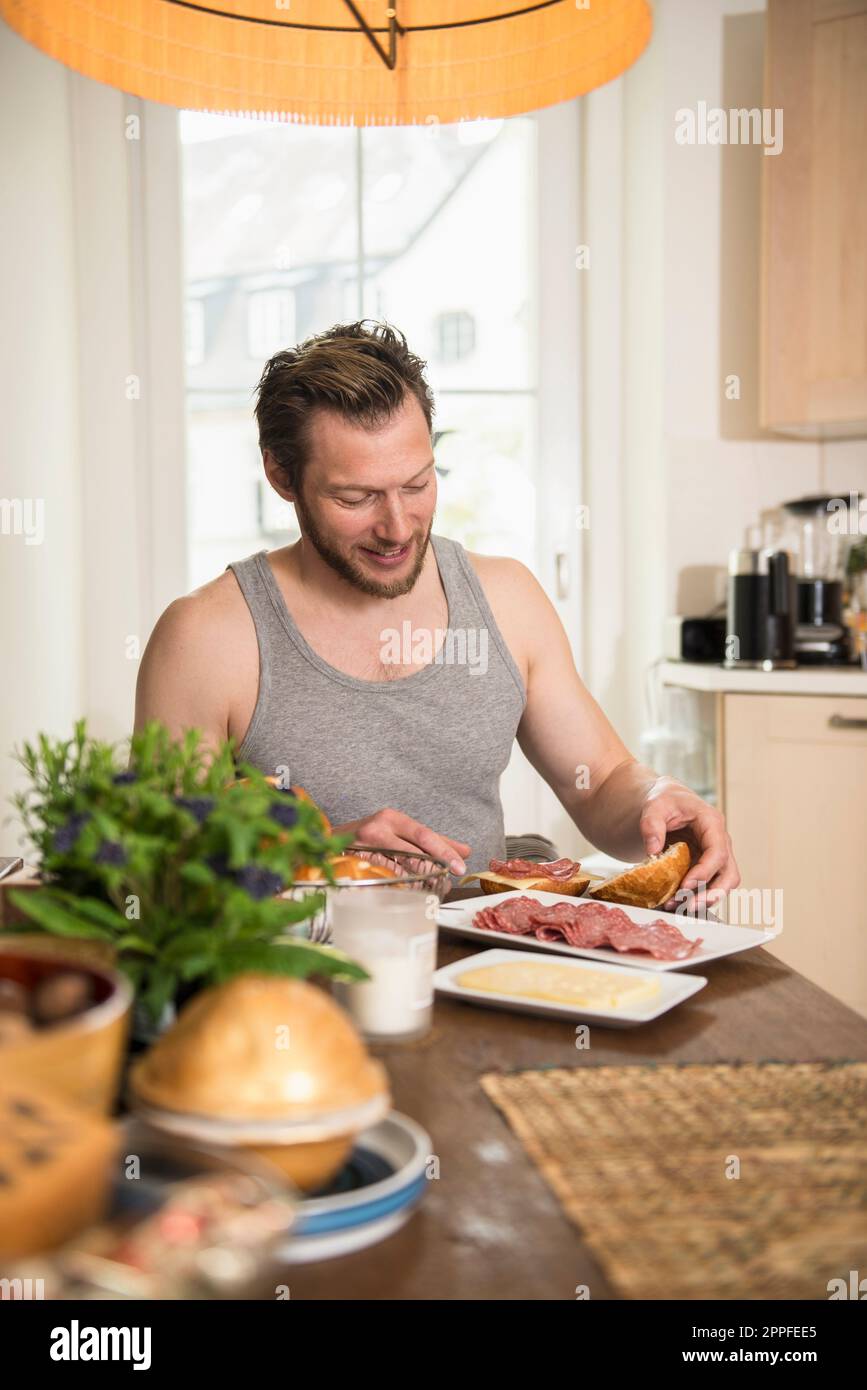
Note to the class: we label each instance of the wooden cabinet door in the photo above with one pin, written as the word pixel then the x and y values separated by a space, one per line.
pixel 814 239
pixel 795 769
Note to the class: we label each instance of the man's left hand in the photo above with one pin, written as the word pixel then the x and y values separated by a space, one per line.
pixel 672 812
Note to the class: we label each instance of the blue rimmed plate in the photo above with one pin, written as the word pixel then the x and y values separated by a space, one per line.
pixel 374 1194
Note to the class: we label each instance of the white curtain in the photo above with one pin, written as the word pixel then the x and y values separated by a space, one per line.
pixel 91 363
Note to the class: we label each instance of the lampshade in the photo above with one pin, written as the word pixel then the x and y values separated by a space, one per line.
pixel 358 62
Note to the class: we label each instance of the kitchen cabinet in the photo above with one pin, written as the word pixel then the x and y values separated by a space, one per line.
pixel 814 234
pixel 794 792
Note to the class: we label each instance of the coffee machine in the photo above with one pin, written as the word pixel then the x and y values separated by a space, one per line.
pixel 760 614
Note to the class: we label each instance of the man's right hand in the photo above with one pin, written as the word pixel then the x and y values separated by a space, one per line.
pixel 390 829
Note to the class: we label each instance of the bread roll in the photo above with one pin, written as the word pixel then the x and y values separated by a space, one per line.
pixel 649 884
pixel 344 866
pixel 499 883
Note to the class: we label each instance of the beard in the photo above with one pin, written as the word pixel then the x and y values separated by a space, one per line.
pixel 353 573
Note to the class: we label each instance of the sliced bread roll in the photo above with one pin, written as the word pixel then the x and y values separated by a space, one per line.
pixel 499 883
pixel 649 884
pixel 344 866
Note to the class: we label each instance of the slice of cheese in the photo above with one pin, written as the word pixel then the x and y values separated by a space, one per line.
pixel 55 1168
pixel 512 882
pixel 560 984
pixel 572 887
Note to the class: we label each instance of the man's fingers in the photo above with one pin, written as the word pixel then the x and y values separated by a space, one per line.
pixel 390 829
pixel 710 833
pixel 652 827
pixel 437 846
pixel 707 893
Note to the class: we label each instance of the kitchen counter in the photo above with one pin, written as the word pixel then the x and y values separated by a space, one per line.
pixel 804 680
pixel 489 1227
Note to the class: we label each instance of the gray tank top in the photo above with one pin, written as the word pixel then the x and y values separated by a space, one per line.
pixel 432 744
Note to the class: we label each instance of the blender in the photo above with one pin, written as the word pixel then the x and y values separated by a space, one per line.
pixel 820 633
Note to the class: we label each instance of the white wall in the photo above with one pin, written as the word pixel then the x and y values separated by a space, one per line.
pixel 40 585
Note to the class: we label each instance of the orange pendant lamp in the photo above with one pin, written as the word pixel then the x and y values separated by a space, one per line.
pixel 343 62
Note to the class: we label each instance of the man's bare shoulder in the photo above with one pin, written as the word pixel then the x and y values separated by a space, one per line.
pixel 200 668
pixel 506 579
pixel 524 612
pixel 517 601
pixel 207 611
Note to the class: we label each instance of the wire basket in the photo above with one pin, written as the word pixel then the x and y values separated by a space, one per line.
pixel 415 872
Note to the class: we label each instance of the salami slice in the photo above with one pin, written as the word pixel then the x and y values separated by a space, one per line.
pixel 663 940
pixel 515 915
pixel 587 925
pixel 561 869
pixel 578 924
pixel 515 868
pixel 584 934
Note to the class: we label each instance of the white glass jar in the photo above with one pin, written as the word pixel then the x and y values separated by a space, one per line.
pixel 392 932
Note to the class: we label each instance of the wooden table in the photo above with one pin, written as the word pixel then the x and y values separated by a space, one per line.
pixel 489 1227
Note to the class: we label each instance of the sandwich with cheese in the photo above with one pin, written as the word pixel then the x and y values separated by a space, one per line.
pixel 551 876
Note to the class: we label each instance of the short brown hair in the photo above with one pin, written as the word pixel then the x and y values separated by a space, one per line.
pixel 363 373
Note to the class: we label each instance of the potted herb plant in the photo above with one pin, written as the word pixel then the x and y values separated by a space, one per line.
pixel 175 863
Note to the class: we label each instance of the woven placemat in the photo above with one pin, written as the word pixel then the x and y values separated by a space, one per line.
pixel 639 1157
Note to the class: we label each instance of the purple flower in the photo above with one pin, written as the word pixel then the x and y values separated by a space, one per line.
pixel 111 853
pixel 199 807
pixel 123 779
pixel 66 836
pixel 220 865
pixel 284 813
pixel 258 882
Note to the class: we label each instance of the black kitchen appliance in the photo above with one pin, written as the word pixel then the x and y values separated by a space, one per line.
pixel 761 610
pixel 695 639
pixel 820 633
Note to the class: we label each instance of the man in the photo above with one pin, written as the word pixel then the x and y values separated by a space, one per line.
pixel 386 667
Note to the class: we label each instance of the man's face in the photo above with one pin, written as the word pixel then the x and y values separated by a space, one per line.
pixel 365 493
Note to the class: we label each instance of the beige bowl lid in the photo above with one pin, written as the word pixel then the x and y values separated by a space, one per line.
pixel 260 1048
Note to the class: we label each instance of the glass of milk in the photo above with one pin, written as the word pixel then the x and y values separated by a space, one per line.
pixel 392 932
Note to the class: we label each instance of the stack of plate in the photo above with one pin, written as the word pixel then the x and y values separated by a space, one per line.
pixel 371 1198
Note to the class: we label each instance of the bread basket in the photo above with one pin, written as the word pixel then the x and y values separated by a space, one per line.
pixel 414 872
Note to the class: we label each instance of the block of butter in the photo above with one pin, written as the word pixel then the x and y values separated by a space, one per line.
pixel 561 984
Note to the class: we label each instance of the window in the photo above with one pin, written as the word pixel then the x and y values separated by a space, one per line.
pixel 270 322
pixel 275 231
pixel 456 336
pixel 194 331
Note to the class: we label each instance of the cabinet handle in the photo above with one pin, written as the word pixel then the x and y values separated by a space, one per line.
pixel 841 721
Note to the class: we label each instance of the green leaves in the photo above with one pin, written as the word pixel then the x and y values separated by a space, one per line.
pixel 161 851
pixel 294 958
pixel 47 910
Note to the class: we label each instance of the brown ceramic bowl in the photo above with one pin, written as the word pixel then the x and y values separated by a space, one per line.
pixel 80 1058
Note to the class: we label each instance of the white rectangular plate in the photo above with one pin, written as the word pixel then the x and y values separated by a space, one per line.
pixel 718 938
pixel 673 989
